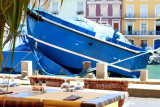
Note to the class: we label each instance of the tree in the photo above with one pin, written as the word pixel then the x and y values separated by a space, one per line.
pixel 10 14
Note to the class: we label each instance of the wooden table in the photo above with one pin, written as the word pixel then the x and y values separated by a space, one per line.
pixel 90 97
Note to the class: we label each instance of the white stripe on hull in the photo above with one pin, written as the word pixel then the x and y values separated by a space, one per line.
pixel 78 54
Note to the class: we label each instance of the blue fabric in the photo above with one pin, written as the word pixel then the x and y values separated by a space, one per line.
pixel 107 99
pixel 27 93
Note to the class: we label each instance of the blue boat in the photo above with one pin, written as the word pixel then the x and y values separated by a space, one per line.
pixel 69 45
pixel 24 53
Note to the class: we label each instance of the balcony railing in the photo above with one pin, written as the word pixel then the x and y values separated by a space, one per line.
pixel 104 0
pixel 142 15
pixel 104 17
pixel 141 32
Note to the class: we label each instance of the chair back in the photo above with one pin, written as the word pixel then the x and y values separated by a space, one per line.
pixel 20 103
pixel 115 85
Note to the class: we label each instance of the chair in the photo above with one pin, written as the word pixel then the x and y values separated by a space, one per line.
pixel 20 103
pixel 116 85
pixel 50 81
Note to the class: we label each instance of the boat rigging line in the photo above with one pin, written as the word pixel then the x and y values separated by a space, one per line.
pixel 20 61
pixel 151 52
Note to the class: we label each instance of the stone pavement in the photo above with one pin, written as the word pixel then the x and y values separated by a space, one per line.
pixel 144 90
pixel 141 102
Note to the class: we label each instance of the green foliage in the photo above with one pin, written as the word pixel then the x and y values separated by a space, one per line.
pixel 10 14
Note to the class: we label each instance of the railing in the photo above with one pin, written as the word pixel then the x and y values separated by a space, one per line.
pixel 104 17
pixel 104 0
pixel 141 32
pixel 142 15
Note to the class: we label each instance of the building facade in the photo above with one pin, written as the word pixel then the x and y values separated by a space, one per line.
pixel 69 7
pixel 140 23
pixel 105 12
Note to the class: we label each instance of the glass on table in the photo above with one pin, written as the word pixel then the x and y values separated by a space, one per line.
pixel 3 82
pixel 44 88
pixel 13 83
pixel 78 86
pixel 65 85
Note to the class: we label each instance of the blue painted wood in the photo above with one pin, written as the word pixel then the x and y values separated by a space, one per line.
pixel 104 100
pixel 49 65
pixel 79 43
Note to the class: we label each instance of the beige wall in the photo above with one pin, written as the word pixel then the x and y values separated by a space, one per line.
pixel 151 11
pixel 150 40
pixel 151 20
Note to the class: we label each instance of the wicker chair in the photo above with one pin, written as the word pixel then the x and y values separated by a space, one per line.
pixel 20 103
pixel 50 81
pixel 116 85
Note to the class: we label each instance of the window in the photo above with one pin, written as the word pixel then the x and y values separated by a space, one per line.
pixel 131 41
pixel 143 43
pixel 116 25
pixel 92 10
pixel 53 7
pixel 116 10
pixel 144 28
pixel 144 11
pixel 130 11
pixel 104 10
pixel 157 27
pixel 157 11
pixel 129 28
pixel 79 7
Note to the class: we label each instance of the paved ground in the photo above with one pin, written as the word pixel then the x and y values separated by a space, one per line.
pixel 142 102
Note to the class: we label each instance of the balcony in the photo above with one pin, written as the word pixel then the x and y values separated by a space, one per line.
pixel 104 0
pixel 141 32
pixel 142 15
pixel 106 17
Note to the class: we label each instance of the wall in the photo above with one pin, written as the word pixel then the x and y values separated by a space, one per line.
pixel 68 9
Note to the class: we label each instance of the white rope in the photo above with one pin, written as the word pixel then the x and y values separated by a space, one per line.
pixel 111 64
pixel 133 56
pixel 129 58
pixel 21 60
